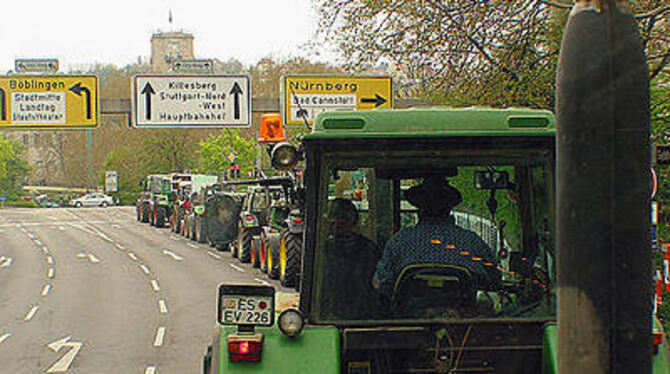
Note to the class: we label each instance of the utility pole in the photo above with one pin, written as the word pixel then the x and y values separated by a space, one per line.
pixel 603 209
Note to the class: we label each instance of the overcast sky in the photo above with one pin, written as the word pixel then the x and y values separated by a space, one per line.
pixel 118 31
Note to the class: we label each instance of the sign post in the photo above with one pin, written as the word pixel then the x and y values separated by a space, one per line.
pixel 49 102
pixel 191 101
pixel 304 97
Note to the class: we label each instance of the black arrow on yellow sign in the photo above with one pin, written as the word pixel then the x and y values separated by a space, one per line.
pixel 377 100
pixel 3 113
pixel 78 89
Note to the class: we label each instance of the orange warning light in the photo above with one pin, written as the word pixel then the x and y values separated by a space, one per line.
pixel 271 130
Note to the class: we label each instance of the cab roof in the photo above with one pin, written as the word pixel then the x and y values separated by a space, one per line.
pixel 433 122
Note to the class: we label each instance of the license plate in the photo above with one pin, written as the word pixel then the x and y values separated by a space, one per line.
pixel 246 305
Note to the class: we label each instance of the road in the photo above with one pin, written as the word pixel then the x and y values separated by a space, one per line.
pixel 94 291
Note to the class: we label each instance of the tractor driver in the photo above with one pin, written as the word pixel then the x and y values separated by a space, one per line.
pixel 350 260
pixel 435 239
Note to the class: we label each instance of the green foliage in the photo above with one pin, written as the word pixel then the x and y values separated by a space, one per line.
pixel 14 168
pixel 215 150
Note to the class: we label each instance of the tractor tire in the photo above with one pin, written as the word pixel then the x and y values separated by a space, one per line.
pixel 256 252
pixel 152 217
pixel 290 253
pixel 237 243
pixel 245 246
pixel 262 253
pixel 159 220
pixel 145 213
pixel 272 256
pixel 138 213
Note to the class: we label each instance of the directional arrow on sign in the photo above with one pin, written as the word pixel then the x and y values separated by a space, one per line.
pixel 63 364
pixel 148 91
pixel 236 92
pixel 3 113
pixel 377 100
pixel 78 89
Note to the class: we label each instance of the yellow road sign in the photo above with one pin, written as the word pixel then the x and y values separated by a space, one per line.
pixel 304 97
pixel 49 101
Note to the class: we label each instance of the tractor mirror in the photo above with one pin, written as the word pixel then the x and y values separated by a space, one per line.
pixel 491 180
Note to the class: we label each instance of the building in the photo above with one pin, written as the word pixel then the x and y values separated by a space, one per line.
pixel 167 47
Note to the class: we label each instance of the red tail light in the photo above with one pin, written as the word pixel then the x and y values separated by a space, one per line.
pixel 249 218
pixel 245 348
pixel 297 220
pixel 657 339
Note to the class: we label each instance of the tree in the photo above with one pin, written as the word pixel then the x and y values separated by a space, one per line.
pixel 215 150
pixel 496 52
pixel 14 168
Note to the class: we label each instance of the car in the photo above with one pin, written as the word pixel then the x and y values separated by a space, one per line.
pixel 93 199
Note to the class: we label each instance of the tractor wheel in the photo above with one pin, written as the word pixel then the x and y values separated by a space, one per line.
pixel 290 251
pixel 245 246
pixel 145 213
pixel 262 253
pixel 138 213
pixel 159 219
pixel 272 256
pixel 256 252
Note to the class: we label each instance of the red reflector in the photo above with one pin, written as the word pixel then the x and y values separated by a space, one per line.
pixel 657 337
pixel 245 348
pixel 297 220
pixel 249 218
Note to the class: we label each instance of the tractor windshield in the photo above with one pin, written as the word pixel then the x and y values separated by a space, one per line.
pixel 435 235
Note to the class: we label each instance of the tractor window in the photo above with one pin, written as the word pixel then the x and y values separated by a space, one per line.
pixel 434 241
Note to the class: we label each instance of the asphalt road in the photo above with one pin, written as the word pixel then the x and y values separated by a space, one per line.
pixel 94 291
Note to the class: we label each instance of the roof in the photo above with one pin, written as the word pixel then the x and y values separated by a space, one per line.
pixel 434 122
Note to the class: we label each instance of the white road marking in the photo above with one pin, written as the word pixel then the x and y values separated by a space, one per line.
pixel 61 228
pixel 31 313
pixel 116 226
pixel 46 289
pixel 50 260
pixel 83 228
pixel 63 365
pixel 38 242
pixel 261 281
pixel 132 256
pixel 191 245
pixel 105 237
pixel 31 235
pixel 236 268
pixel 50 273
pixel 175 256
pixel 92 258
pixel 162 306
pixel 177 238
pixel 160 335
pixel 150 370
pixel 145 269
pixel 154 285
pixel 45 250
pixel 4 337
pixel 6 261
pixel 120 247
pixel 214 255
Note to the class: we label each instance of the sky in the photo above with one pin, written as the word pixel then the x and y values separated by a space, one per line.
pixel 119 31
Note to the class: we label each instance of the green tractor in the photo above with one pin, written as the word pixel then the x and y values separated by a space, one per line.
pixel 152 206
pixel 395 296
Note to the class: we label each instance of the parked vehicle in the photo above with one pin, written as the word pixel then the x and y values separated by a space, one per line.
pixel 92 199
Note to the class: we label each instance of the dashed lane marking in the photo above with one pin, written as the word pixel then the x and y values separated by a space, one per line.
pixel 45 250
pixel 160 335
pixel 31 313
pixel 38 242
pixel 236 268
pixel 5 261
pixel 175 256
pixel 162 306
pixel 214 255
pixel 132 256
pixel 61 228
pixel 191 245
pixel 50 260
pixel 120 247
pixel 4 337
pixel 46 289
pixel 154 285
pixel 31 235
pixel 51 272
pixel 150 370
pixel 93 258
pixel 261 281
pixel 145 269
pixel 116 226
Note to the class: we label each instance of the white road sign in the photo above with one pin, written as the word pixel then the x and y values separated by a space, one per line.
pixel 40 65
pixel 111 181
pixel 193 66
pixel 191 101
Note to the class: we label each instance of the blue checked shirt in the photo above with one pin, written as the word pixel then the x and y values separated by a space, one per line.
pixel 436 241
